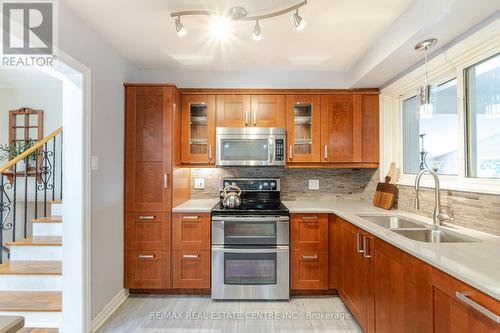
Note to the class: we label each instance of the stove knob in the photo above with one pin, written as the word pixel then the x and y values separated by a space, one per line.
pixel 226 184
pixel 273 185
pixel 266 185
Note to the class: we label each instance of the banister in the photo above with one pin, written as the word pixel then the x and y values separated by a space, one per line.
pixel 31 150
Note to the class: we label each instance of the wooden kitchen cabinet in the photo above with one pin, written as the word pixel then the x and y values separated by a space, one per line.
pixel 303 124
pixel 147 231
pixel 357 269
pixel 198 129
pixel 334 252
pixel 148 147
pixel 268 111
pixel 366 109
pixel 147 269
pixel 191 269
pixel 191 231
pixel 233 110
pixel 457 306
pixel 309 270
pixel 309 232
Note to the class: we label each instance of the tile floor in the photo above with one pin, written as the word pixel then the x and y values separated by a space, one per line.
pixel 169 314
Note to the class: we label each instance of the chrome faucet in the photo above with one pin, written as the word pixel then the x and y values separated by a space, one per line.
pixel 438 214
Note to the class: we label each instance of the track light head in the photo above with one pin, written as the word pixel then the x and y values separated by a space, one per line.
pixel 300 23
pixel 257 33
pixel 179 27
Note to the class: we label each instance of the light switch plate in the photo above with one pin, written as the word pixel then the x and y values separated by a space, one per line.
pixel 313 184
pixel 95 162
pixel 199 183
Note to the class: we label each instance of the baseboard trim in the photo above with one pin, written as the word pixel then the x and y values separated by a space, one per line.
pixel 108 310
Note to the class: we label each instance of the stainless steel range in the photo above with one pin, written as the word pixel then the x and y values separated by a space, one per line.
pixel 250 243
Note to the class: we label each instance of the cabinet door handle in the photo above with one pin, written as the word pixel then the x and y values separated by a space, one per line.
pixel 290 152
pixel 326 152
pixel 314 257
pixel 147 218
pixel 309 217
pixel 210 152
pixel 366 248
pixel 255 118
pixel 191 256
pixel 146 256
pixel 193 217
pixel 358 243
pixel 464 297
pixel 247 117
pixel 165 180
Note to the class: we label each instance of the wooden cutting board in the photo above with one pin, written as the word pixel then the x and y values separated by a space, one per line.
pixel 385 195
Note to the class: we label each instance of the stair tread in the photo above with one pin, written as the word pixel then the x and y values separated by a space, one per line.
pixel 48 219
pixel 30 301
pixel 25 267
pixel 37 241
pixel 55 202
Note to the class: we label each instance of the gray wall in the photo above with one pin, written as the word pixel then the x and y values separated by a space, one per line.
pixel 109 70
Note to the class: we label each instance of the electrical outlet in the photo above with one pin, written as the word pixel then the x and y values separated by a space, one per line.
pixel 313 184
pixel 199 183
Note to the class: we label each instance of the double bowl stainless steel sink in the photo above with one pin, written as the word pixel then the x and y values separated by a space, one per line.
pixel 417 230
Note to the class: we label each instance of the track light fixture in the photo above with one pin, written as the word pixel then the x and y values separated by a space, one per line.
pixel 240 14
pixel 257 34
pixel 179 27
pixel 300 23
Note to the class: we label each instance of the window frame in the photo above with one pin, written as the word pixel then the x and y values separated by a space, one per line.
pixel 448 65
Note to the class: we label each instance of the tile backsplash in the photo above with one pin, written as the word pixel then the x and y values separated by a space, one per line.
pixel 472 210
pixel 333 183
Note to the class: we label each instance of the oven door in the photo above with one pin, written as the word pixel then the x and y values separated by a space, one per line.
pixel 245 150
pixel 250 273
pixel 250 230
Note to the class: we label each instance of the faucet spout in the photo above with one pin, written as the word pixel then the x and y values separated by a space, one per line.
pixel 437 214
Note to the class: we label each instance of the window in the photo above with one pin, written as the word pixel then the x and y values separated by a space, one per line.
pixel 482 83
pixel 438 134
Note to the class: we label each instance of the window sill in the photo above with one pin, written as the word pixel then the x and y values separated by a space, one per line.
pixel 483 186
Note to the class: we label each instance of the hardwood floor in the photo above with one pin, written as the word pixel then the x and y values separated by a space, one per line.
pixel 201 314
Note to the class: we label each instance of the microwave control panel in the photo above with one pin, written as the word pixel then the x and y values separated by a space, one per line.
pixel 280 150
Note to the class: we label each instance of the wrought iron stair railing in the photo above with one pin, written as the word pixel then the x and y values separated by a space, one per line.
pixel 27 183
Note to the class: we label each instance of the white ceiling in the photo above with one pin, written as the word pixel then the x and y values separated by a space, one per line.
pixel 337 33
pixel 366 41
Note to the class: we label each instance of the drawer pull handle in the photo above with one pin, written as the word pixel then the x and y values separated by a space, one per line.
pixel 365 248
pixel 314 257
pixel 191 256
pixel 464 297
pixel 146 256
pixel 190 217
pixel 146 218
pixel 358 243
pixel 309 217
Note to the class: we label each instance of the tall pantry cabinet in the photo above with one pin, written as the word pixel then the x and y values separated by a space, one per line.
pixel 153 116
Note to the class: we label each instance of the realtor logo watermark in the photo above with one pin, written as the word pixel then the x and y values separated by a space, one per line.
pixel 28 33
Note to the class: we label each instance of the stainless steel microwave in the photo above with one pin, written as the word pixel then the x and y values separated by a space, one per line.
pixel 250 146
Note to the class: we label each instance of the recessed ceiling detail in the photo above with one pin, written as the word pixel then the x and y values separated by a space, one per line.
pixel 221 20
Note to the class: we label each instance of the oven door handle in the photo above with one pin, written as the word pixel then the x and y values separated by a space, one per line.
pixel 250 219
pixel 250 250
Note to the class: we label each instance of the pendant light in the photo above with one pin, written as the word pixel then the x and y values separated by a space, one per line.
pixel 300 23
pixel 257 33
pixel 426 109
pixel 179 27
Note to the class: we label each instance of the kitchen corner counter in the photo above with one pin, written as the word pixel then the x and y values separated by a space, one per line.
pixel 196 205
pixel 473 263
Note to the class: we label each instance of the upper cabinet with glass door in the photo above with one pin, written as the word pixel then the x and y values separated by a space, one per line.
pixel 198 125
pixel 303 128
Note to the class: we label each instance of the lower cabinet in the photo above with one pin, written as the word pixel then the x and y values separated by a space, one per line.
pixel 191 269
pixel 309 270
pixel 357 269
pixel 147 269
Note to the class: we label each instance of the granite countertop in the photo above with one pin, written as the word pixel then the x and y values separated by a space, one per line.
pixel 476 264
pixel 196 205
pixel 11 324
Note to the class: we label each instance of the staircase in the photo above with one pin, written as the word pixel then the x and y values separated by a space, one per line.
pixel 31 233
pixel 31 280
